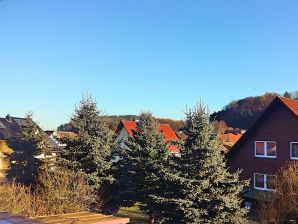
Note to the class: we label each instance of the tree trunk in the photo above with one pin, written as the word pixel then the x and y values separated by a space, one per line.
pixel 151 219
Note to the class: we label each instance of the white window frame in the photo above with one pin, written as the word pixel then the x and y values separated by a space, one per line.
pixel 265 149
pixel 265 188
pixel 291 155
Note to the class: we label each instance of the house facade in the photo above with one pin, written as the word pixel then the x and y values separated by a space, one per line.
pixel 127 128
pixel 267 146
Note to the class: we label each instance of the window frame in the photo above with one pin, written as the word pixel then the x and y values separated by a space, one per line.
pixel 265 150
pixel 291 155
pixel 265 188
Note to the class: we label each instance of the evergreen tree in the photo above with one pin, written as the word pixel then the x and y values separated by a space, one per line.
pixel 30 152
pixel 198 186
pixel 141 163
pixel 90 150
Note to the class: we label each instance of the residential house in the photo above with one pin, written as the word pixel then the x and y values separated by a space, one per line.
pixel 265 147
pixel 10 128
pixel 229 139
pixel 60 136
pixel 127 128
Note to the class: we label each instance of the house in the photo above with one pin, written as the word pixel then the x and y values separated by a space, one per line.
pixel 265 147
pixel 127 128
pixel 229 139
pixel 10 128
pixel 60 136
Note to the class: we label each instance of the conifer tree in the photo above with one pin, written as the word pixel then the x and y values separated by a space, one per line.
pixel 198 187
pixel 30 154
pixel 142 162
pixel 90 150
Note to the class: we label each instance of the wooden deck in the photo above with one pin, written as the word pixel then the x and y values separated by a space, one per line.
pixel 71 218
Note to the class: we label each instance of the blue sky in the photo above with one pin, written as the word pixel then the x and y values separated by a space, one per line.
pixel 142 55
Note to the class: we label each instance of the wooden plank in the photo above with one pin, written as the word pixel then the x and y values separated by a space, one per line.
pixel 79 218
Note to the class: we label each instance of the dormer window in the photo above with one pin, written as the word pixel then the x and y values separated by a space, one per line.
pixel 265 149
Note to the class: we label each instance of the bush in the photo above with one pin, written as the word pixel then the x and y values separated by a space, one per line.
pixel 283 207
pixel 58 191
pixel 16 198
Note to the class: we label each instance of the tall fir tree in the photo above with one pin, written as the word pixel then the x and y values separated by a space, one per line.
pixel 198 186
pixel 90 151
pixel 31 152
pixel 141 163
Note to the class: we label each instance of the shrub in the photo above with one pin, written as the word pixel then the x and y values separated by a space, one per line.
pixel 15 198
pixel 283 206
pixel 57 191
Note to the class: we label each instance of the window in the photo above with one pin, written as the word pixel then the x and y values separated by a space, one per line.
pixel 294 150
pixel 264 182
pixel 2 125
pixel 265 149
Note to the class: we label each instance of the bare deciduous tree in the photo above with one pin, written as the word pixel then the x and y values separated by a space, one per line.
pixel 283 206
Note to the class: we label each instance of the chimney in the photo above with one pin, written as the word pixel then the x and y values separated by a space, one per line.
pixel 8 118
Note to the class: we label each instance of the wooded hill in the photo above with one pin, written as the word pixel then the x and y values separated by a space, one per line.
pixel 237 114
pixel 115 120
pixel 244 112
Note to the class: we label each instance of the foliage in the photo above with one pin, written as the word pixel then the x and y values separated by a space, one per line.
pixel 57 191
pixel 134 214
pixel 198 187
pixel 16 198
pixel 65 127
pixel 220 127
pixel 243 113
pixel 114 121
pixel 30 152
pixel 90 151
pixel 141 163
pixel 64 191
pixel 284 204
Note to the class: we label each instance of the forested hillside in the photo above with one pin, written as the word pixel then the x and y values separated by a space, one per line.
pixel 237 114
pixel 115 120
pixel 244 112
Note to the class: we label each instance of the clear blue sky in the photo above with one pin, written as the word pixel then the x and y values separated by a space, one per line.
pixel 143 55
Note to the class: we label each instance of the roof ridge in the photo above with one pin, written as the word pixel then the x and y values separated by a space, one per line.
pixel 286 98
pixel 286 102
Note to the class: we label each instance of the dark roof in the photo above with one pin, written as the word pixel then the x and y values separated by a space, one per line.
pixel 10 127
pixel 291 105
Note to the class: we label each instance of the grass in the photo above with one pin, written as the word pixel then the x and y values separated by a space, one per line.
pixel 137 217
pixel 134 213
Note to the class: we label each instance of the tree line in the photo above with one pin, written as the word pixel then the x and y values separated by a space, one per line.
pixel 194 186
pixel 114 121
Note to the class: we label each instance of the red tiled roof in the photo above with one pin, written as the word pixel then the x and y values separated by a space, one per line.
pixel 166 130
pixel 230 137
pixel 66 134
pixel 291 104
pixel 129 126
